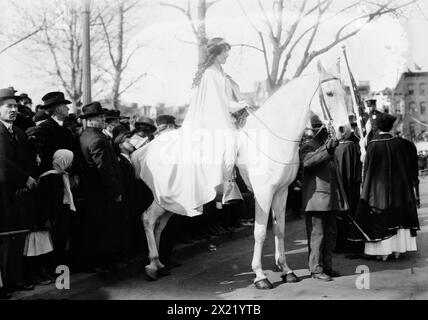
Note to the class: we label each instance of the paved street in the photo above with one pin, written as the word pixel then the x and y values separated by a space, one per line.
pixel 226 273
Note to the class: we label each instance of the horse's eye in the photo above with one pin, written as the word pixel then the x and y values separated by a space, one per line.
pixel 330 94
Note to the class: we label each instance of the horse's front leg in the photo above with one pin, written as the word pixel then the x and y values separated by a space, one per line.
pixel 279 202
pixel 263 202
pixel 150 219
pixel 163 220
pixel 278 217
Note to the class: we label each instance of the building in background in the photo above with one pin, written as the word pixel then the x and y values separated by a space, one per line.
pixel 364 91
pixel 410 104
pixel 383 100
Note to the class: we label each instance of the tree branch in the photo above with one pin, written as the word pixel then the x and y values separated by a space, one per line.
pixel 262 41
pixel 209 4
pixel 125 65
pixel 133 82
pixel 109 44
pixel 247 45
pixel 267 21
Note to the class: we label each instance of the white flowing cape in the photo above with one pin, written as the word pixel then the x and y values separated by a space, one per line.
pixel 186 167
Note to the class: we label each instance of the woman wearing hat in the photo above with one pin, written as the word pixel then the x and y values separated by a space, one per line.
pixel 386 211
pixel 204 149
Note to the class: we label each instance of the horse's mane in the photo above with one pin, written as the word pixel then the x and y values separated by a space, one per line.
pixel 287 110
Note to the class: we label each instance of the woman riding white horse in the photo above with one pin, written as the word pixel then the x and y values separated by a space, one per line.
pixel 185 168
pixel 189 167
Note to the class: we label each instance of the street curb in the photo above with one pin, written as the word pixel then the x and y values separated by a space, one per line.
pixel 81 281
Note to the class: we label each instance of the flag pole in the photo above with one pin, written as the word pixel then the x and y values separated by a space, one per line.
pixel 356 105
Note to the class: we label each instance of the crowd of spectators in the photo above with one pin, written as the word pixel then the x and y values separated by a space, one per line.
pixel 69 194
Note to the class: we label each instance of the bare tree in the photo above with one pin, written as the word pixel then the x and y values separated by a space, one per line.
pixel 56 50
pixel 290 28
pixel 21 38
pixel 117 29
pixel 196 17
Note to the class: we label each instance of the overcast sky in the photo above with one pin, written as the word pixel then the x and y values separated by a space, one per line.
pixel 377 54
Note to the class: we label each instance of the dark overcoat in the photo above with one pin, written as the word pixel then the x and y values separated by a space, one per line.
pixel 387 198
pixel 349 167
pixel 101 182
pixel 17 164
pixel 50 137
pixel 321 188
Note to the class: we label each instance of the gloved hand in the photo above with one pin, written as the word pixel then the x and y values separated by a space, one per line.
pixel 331 145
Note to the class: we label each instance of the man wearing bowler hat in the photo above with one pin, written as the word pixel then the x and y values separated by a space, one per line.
pixel 103 190
pixel 51 134
pixel 17 177
pixel 112 121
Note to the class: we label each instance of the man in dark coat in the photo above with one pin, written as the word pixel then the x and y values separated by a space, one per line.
pixel 348 155
pixel 17 172
pixel 387 198
pixel 323 198
pixel 51 135
pixel 130 221
pixel 24 119
pixel 102 184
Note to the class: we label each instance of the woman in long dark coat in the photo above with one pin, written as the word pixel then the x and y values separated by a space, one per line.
pixel 387 211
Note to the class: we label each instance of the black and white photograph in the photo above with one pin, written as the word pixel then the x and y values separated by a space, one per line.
pixel 213 154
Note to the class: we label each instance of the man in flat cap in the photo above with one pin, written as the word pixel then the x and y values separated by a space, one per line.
pixel 103 191
pixel 165 123
pixel 373 113
pixel 387 208
pixel 323 199
pixel 130 222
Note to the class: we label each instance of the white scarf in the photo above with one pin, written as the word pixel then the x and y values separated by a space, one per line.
pixel 62 160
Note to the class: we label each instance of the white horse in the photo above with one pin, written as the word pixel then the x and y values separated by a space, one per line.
pixel 268 160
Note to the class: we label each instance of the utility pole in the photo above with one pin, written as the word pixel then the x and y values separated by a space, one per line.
pixel 86 53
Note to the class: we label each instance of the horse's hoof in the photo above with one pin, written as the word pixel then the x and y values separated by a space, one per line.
pixel 263 284
pixel 290 278
pixel 151 274
pixel 163 272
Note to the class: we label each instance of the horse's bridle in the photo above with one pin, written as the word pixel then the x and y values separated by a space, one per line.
pixel 324 108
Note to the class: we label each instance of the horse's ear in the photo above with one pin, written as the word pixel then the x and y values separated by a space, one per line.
pixel 320 67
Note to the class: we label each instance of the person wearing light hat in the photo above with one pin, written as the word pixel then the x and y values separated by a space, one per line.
pixel 103 190
pixel 387 211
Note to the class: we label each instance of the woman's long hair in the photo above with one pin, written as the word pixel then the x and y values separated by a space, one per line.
pixel 214 47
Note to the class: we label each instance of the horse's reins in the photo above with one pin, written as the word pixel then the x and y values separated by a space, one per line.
pixel 324 109
pixel 327 116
